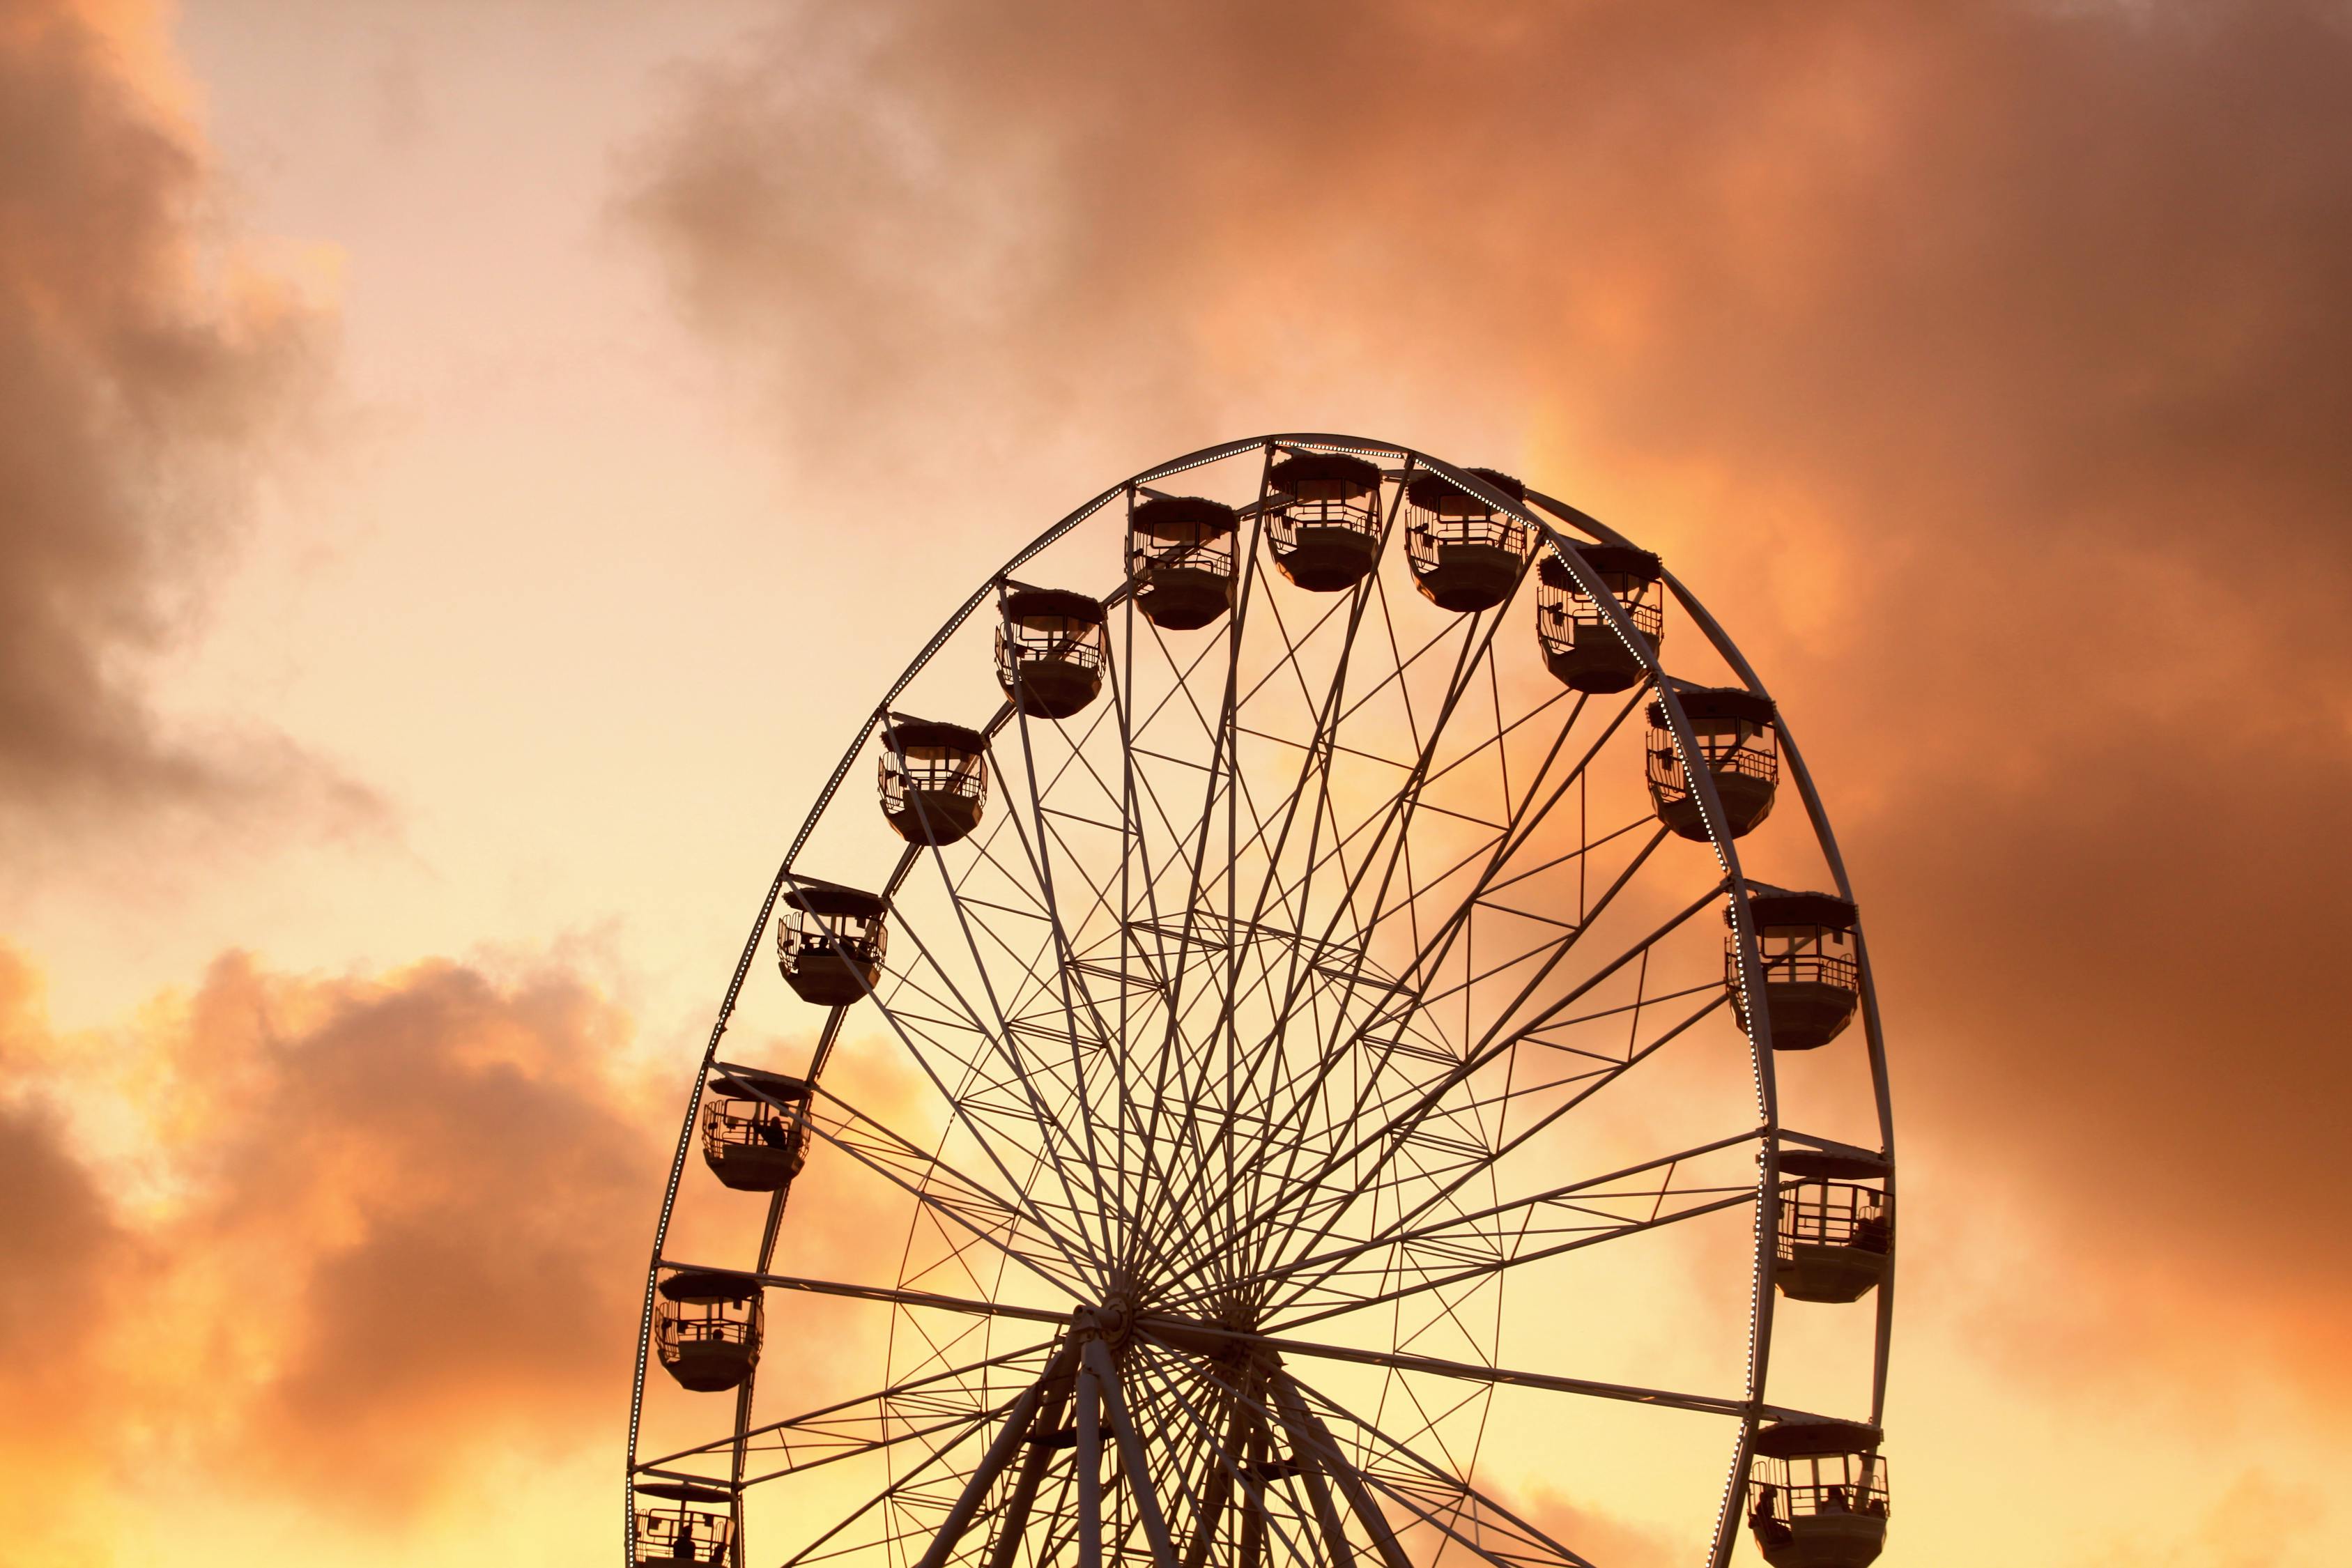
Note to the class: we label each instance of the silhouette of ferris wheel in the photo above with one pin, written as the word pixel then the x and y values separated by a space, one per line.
pixel 1332 930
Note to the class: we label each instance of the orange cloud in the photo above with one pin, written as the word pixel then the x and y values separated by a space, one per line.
pixel 1597 1535
pixel 68 1269
pixel 425 1193
pixel 1987 366
pixel 348 1245
pixel 359 1238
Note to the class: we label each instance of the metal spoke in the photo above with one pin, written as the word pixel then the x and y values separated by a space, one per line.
pixel 1486 1504
pixel 1308 1271
pixel 892 1157
pixel 825 1423
pixel 1190 1334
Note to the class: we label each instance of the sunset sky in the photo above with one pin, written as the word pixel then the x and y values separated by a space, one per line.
pixel 467 469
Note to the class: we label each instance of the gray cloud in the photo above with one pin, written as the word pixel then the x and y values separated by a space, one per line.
pixel 146 380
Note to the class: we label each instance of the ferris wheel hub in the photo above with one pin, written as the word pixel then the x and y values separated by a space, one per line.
pixel 1111 1321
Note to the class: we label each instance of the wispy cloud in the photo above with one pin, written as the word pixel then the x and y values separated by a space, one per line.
pixel 153 370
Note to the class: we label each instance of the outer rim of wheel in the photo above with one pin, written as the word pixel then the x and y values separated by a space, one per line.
pixel 1545 516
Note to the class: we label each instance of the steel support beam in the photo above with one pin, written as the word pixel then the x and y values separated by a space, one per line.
pixel 1133 1462
pixel 1014 1524
pixel 1309 1436
pixel 1311 1472
pixel 1088 1459
pixel 992 1464
pixel 1234 1450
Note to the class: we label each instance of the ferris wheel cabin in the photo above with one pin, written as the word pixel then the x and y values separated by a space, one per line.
pixel 1581 644
pixel 706 1328
pixel 1817 1494
pixel 1323 521
pixel 1467 555
pixel 1049 651
pixel 678 1523
pixel 1739 747
pixel 829 943
pixel 1837 1225
pixel 933 779
pixel 755 1130
pixel 1811 984
pixel 1180 556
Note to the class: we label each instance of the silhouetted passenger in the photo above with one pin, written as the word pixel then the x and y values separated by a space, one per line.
pixel 1765 1519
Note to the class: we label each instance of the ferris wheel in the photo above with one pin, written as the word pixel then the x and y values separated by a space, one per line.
pixel 1290 1067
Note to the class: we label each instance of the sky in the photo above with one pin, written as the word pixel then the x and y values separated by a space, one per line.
pixel 438 441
